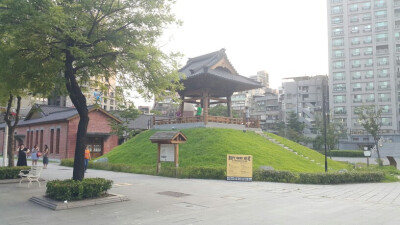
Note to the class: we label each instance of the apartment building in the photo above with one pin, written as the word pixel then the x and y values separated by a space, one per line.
pixel 304 96
pixel 364 64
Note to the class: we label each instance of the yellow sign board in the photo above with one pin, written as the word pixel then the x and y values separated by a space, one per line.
pixel 239 167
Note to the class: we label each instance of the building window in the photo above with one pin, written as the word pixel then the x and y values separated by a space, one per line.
pixel 367 28
pixel 381 25
pixel 354 19
pixel 366 5
pixel 339 110
pixel 386 109
pixel 368 51
pixel 383 61
pixel 58 141
pixel 354 29
pixel 355 63
pixel 386 121
pixel 384 97
pixel 357 87
pixel 339 98
pixel 367 39
pixel 383 73
pixel 338 42
pixel 338 76
pixel 337 20
pixel 353 8
pixel 51 140
pixel 356 75
pixel 369 74
pixel 338 65
pixel 380 14
pixel 355 41
pixel 336 9
pixel 357 98
pixel 367 17
pixel 381 37
pixel 370 98
pixel 380 4
pixel 355 52
pixel 383 85
pixel 368 62
pixel 369 86
pixel 339 87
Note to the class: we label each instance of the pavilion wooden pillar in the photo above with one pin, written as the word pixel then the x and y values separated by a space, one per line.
pixel 229 105
pixel 205 101
pixel 182 106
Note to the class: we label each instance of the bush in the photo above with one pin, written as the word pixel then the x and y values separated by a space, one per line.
pixel 274 176
pixel 340 178
pixel 347 153
pixel 67 162
pixel 62 190
pixel 11 172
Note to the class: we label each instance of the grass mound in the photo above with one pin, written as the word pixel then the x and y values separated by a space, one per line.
pixel 208 147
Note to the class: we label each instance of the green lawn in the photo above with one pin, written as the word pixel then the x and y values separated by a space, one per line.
pixel 208 147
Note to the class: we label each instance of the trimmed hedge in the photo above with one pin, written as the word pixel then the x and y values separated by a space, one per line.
pixel 341 178
pixel 319 178
pixel 62 190
pixel 275 176
pixel 347 153
pixel 11 172
pixel 258 175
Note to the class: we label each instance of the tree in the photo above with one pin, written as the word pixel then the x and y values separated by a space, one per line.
pixel 370 119
pixel 221 110
pixel 126 114
pixel 92 39
pixel 294 128
pixel 334 131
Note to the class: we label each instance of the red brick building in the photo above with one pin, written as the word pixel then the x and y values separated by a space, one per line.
pixel 57 127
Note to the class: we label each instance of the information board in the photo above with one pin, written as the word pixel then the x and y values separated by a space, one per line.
pixel 167 152
pixel 239 167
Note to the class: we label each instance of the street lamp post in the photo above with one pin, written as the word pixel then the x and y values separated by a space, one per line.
pixel 324 118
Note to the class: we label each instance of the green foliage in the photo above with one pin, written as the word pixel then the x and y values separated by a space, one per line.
pixel 62 190
pixel 341 178
pixel 156 112
pixel 11 172
pixel 347 153
pixel 221 110
pixel 274 176
pixel 294 128
pixel 334 131
pixel 126 114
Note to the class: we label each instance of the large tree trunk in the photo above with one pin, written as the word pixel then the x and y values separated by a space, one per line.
pixel 11 128
pixel 79 101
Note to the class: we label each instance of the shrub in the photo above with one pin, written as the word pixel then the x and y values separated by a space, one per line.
pixel 62 190
pixel 11 172
pixel 347 153
pixel 275 176
pixel 340 178
pixel 67 162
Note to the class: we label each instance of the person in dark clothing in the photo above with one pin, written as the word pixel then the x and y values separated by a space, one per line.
pixel 22 153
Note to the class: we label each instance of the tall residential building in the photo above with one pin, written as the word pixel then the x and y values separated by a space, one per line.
pixel 304 96
pixel 364 63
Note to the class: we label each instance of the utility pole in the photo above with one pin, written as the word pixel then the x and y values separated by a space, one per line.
pixel 5 146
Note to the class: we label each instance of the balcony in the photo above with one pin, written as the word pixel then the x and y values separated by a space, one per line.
pixel 384 99
pixel 382 28
pixel 356 66
pixel 383 16
pixel 355 42
pixel 384 87
pixel 382 63
pixel 369 89
pixel 357 89
pixel 357 100
pixel 368 64
pixel 380 5
pixel 370 100
pixel 368 53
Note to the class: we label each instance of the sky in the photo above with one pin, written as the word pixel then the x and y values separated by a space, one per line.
pixel 286 38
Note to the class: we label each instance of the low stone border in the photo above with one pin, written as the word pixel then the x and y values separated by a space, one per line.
pixel 10 181
pixel 56 205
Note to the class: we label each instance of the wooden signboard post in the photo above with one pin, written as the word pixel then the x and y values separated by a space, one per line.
pixel 168 146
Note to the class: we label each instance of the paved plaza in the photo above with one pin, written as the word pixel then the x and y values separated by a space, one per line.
pixel 160 200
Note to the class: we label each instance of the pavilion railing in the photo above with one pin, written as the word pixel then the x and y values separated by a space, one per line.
pixel 252 123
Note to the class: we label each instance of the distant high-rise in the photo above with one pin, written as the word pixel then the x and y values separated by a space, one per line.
pixel 364 63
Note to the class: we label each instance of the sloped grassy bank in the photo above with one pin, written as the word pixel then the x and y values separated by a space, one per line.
pixel 204 156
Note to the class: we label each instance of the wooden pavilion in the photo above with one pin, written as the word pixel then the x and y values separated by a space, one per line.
pixel 211 79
